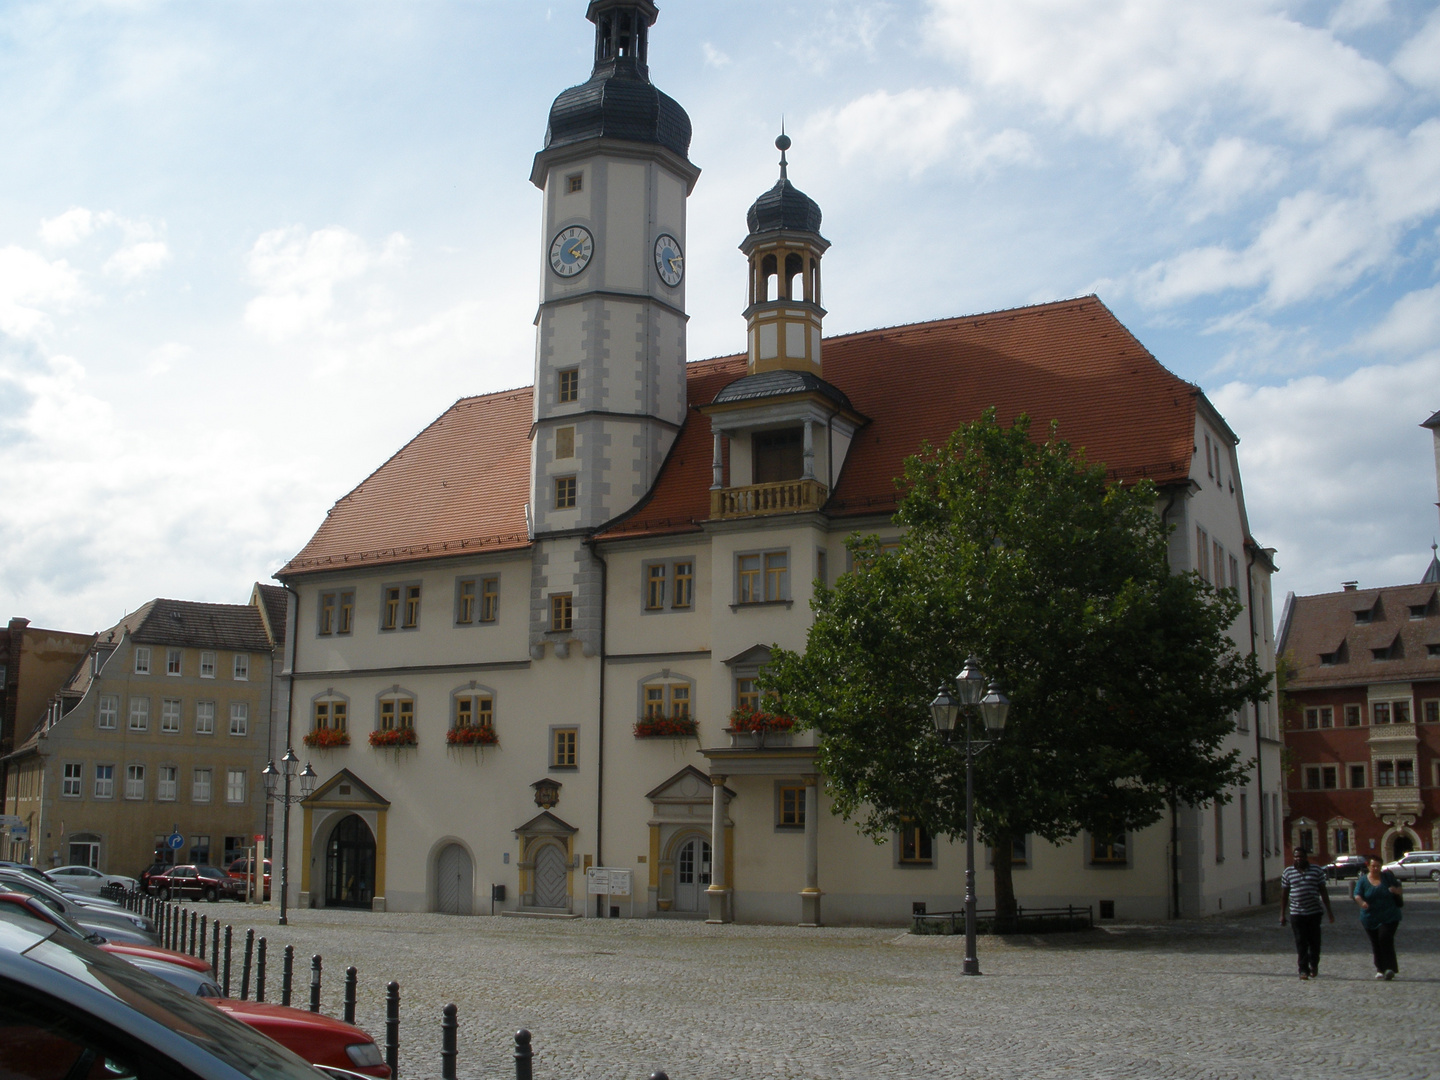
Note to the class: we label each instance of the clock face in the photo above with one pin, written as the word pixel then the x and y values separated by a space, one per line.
pixel 669 259
pixel 570 251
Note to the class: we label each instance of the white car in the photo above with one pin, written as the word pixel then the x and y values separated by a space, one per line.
pixel 1416 866
pixel 86 880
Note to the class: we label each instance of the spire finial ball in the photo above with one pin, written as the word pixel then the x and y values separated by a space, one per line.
pixel 782 143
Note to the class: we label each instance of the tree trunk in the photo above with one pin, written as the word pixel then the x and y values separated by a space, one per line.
pixel 1005 918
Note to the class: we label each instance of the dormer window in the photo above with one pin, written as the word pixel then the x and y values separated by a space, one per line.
pixel 1362 616
pixel 779 455
pixel 1329 659
pixel 1417 611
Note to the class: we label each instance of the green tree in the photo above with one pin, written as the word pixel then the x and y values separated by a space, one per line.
pixel 1122 676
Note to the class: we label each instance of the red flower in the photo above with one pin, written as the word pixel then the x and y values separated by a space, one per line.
pixel 394 737
pixel 326 738
pixel 654 727
pixel 471 736
pixel 757 720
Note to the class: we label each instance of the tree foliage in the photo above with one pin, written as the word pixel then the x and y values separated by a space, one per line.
pixel 1122 676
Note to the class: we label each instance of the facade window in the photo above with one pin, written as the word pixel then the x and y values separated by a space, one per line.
pixel 1384 774
pixel 489 599
pixel 1202 552
pixel 1108 849
pixel 1357 776
pixel 205 718
pixel 412 606
pixel 1312 777
pixel 397 712
pixel 565 442
pixel 670 585
pixel 568 385
pixel 1352 715
pixel 400 607
pixel 1400 712
pixel 139 714
pixel 792 807
pixel 562 747
pixel 1380 712
pixel 564 492
pixel 142 660
pixel 1307 839
pixel 465 602
pixel 104 781
pixel 1219 563
pixel 165 789
pixel 337 612
pixel 235 786
pixel 207 665
pixel 747 693
pixel 172 661
pixel 1405 773
pixel 332 715
pixel 684 590
pixel 666 701
pixel 170 716
pixel 1342 841
pixel 916 848
pixel 242 667
pixel 562 611
pixel 763 577
pixel 655 586
pixel 1430 710
pixel 200 782
pixel 1327 716
pixel 1219 833
pixel 474 710
pixel 1234 573
pixel 1244 825
pixel 239 718
pixel 390 609
pixel 135 781
pixel 1328 777
pixel 109 712
pixel 574 182
pixel 70 782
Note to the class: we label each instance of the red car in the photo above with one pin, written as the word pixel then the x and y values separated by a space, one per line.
pixel 319 1039
pixel 35 909
pixel 191 881
pixel 240 869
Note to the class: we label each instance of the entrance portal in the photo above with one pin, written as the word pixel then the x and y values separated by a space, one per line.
pixel 454 881
pixel 1403 845
pixel 692 874
pixel 551 873
pixel 350 864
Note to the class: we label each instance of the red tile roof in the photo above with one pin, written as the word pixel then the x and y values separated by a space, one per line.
pixel 1321 625
pixel 1070 361
pixel 462 483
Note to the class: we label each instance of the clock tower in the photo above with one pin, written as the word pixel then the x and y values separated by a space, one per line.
pixel 610 332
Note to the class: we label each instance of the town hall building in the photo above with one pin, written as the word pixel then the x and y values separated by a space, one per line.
pixel 517 647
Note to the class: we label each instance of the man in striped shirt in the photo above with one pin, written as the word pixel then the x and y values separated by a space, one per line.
pixel 1304 897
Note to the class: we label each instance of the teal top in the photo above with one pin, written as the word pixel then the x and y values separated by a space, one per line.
pixel 1383 908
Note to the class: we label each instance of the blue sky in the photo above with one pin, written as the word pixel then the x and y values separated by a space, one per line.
pixel 247 250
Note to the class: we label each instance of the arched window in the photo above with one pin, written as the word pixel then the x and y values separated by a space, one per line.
pixel 769 285
pixel 794 267
pixel 329 720
pixel 472 706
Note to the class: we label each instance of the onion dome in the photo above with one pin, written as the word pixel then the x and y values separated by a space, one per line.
pixel 784 206
pixel 619 101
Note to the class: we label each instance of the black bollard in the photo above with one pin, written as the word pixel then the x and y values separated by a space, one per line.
pixel 163 927
pixel 658 1076
pixel 215 946
pixel 260 972
pixel 522 1055
pixel 194 923
pixel 448 1024
pixel 245 970
pixel 392 1028
pixel 315 983
pixel 287 975
pixel 203 920
pixel 350 979
pixel 226 984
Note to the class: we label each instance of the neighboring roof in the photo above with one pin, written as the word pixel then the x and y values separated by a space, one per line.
pixel 459 486
pixel 1433 422
pixel 274 605
pixel 187 623
pixel 771 384
pixel 1319 625
pixel 1070 361
pixel 1432 572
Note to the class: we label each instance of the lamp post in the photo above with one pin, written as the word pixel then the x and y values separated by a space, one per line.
pixel 272 775
pixel 944 710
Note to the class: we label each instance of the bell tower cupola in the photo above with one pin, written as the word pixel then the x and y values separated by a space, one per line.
pixel 784 317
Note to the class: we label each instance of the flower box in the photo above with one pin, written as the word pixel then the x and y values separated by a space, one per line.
pixel 326 738
pixel 757 720
pixel 666 727
pixel 394 737
pixel 471 735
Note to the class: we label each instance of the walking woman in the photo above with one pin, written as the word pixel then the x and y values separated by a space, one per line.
pixel 1378 894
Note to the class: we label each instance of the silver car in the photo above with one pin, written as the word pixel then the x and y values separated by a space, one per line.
pixel 1416 866
pixel 87 880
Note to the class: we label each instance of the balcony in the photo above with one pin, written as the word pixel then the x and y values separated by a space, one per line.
pixel 755 500
pixel 1387 802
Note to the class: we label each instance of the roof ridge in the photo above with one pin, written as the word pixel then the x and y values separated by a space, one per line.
pixel 1024 308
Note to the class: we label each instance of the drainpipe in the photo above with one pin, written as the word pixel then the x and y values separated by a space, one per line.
pixel 1259 756
pixel 1174 816
pixel 292 631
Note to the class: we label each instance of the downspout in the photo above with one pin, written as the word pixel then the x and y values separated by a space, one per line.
pixel 1174 814
pixel 292 631
pixel 1259 757
pixel 600 720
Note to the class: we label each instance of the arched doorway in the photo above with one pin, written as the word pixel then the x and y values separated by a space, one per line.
pixel 350 864
pixel 551 877
pixel 692 874
pixel 454 881
pixel 1401 846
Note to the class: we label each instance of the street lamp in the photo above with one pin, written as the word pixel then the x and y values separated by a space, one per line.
pixel 272 775
pixel 993 707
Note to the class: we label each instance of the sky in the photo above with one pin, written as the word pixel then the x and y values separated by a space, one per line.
pixel 247 250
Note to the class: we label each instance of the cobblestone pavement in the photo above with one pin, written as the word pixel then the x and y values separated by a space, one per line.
pixel 618 999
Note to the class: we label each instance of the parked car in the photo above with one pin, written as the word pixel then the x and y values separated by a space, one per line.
pixel 1346 866
pixel 1416 866
pixel 192 881
pixel 150 872
pixel 13 904
pixel 69 1009
pixel 319 1039
pixel 86 880
pixel 33 871
pixel 107 919
pixel 240 868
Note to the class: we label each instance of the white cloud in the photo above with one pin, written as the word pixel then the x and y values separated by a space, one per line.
pixel 298 274
pixel 713 56
pixel 1412 324
pixel 1358 14
pixel 1232 169
pixel 1416 61
pixel 30 286
pixel 69 228
pixel 163 360
pixel 1119 68
pixel 915 129
pixel 138 258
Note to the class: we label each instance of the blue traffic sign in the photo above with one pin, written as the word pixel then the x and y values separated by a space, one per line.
pixel 175 841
